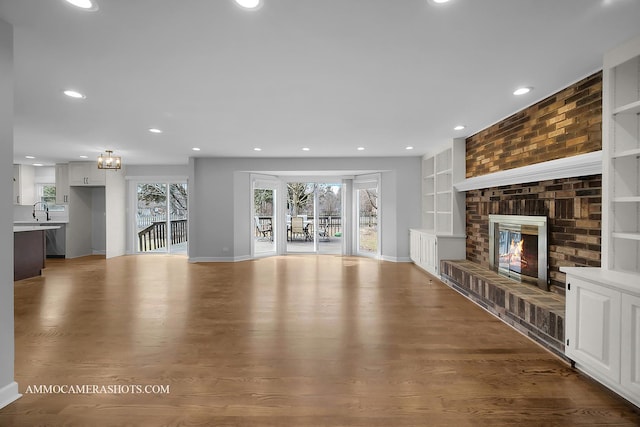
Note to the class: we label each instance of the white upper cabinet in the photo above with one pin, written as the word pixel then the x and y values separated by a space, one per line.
pixel 24 187
pixel 62 184
pixel 85 174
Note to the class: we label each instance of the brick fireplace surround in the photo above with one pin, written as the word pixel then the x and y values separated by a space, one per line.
pixel 565 124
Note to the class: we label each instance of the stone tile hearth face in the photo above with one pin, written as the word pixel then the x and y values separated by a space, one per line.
pixel 534 312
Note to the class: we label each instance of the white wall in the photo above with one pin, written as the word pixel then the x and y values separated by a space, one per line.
pixel 44 175
pixel 220 201
pixel 78 231
pixel 8 387
pixel 116 217
pixel 98 221
pixel 134 171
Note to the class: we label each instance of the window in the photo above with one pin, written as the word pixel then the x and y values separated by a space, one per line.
pixel 46 193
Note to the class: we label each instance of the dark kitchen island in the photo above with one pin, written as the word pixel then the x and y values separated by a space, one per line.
pixel 29 250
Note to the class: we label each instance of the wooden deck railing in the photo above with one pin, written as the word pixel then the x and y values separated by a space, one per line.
pixel 333 224
pixel 155 235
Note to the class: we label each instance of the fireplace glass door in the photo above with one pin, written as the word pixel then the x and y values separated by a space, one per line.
pixel 518 254
pixel 518 248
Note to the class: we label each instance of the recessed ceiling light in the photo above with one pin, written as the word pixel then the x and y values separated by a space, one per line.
pixel 257 149
pixel 360 148
pixel 89 5
pixel 74 94
pixel 459 127
pixel 522 90
pixel 409 147
pixel 38 164
pixel 306 149
pixel 249 4
pixel 84 157
pixel 196 149
pixel 440 1
pixel 29 157
pixel 155 130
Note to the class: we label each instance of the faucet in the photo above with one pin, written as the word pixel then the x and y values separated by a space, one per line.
pixel 46 209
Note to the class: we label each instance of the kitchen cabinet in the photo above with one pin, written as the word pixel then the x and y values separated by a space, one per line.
pixel 24 187
pixel 62 184
pixel 29 245
pixel 86 174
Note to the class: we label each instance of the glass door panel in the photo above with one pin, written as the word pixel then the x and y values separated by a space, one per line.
pixel 300 217
pixel 329 231
pixel 151 217
pixel 161 217
pixel 368 238
pixel 178 218
pixel 264 224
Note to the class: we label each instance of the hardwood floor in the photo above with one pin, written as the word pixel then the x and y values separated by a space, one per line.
pixel 284 341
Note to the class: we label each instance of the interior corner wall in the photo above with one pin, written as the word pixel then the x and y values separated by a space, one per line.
pixel 116 213
pixel 98 221
pixel 8 387
pixel 220 201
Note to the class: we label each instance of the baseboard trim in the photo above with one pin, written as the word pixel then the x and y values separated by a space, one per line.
pixel 9 393
pixel 220 259
pixel 395 259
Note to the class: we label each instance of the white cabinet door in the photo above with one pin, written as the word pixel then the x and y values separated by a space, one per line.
pixel 593 327
pixel 24 186
pixel 631 346
pixel 62 184
pixel 85 173
pixel 428 253
pixel 16 185
pixel 414 246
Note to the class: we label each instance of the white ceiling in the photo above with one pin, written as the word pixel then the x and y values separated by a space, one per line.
pixel 330 75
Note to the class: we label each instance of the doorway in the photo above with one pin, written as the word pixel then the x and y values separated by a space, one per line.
pixel 161 217
pixel 367 231
pixel 264 217
pixel 314 217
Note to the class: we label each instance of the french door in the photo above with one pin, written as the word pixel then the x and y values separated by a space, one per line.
pixel 264 218
pixel 367 218
pixel 161 217
pixel 314 217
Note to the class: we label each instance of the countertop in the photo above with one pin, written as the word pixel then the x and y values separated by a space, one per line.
pixel 34 222
pixel 20 228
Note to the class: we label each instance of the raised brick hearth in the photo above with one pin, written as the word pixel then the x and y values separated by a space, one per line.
pixel 534 312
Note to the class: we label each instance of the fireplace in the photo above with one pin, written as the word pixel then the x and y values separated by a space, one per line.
pixel 518 248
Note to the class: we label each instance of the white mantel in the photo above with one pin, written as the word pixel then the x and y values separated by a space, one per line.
pixel 568 167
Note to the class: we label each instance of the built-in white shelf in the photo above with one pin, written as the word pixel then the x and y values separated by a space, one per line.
pixel 442 207
pixel 627 153
pixel 627 236
pixel 627 199
pixel 631 108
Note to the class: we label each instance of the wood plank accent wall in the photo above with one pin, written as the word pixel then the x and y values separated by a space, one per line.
pixel 562 125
